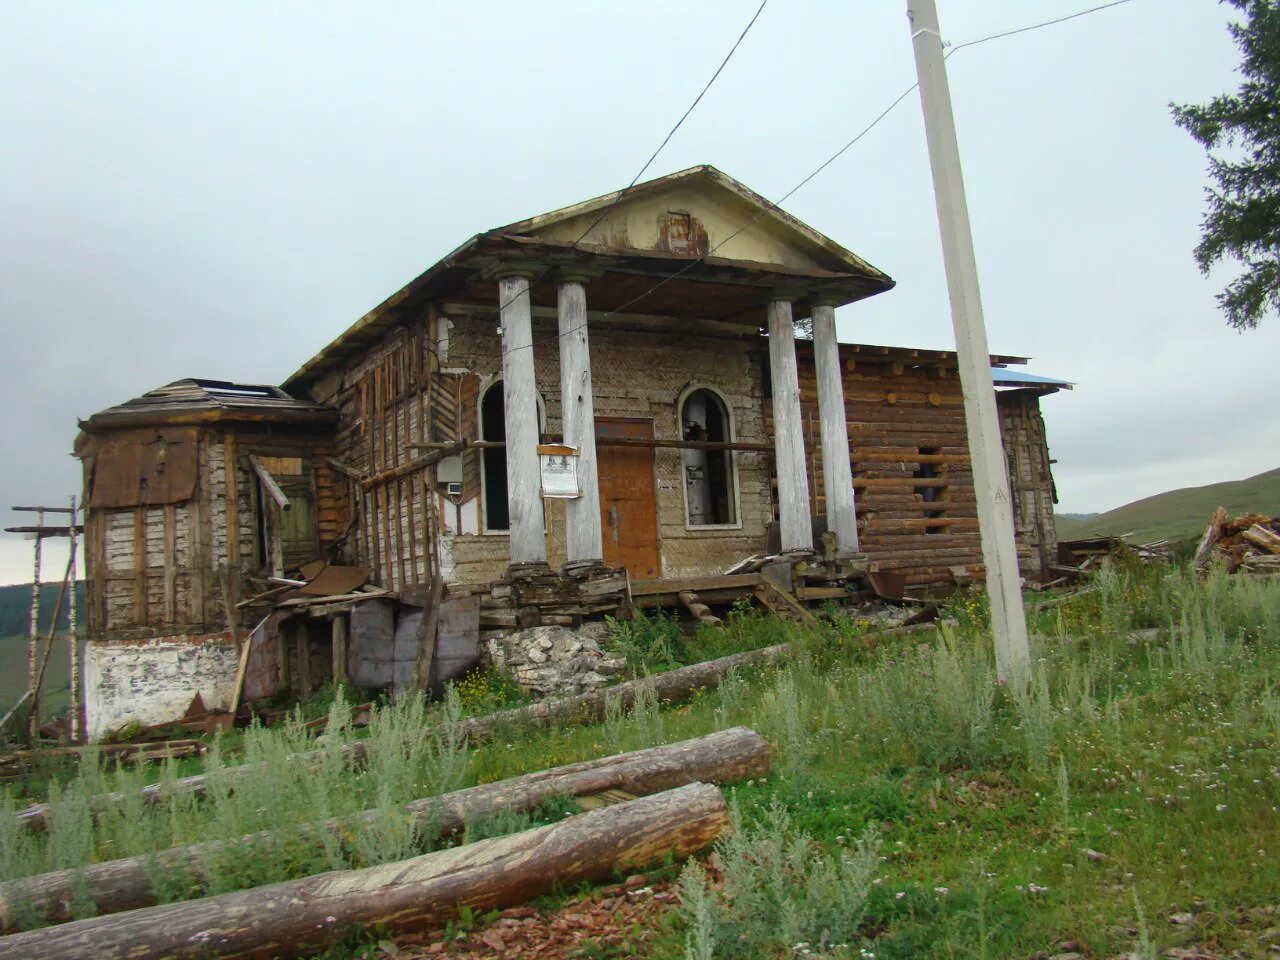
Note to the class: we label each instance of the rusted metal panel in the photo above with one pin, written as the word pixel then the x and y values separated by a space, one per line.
pixel 137 473
pixel 262 669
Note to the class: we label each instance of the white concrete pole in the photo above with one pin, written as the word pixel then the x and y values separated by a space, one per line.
pixel 520 404
pixel 837 473
pixel 990 475
pixel 584 542
pixel 33 642
pixel 76 730
pixel 795 524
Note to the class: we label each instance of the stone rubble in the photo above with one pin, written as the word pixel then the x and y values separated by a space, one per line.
pixel 554 661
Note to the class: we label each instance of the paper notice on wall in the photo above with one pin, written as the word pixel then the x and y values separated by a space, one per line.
pixel 559 471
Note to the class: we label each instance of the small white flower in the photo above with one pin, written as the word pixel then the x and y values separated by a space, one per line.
pixel 941 891
pixel 899 895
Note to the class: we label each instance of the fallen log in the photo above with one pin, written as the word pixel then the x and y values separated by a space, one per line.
pixel 126 884
pixel 306 916
pixel 1212 533
pixel 673 686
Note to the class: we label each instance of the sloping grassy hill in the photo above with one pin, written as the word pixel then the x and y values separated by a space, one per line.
pixel 1177 514
pixel 15 613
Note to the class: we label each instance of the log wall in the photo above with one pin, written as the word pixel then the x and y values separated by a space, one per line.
pixel 917 512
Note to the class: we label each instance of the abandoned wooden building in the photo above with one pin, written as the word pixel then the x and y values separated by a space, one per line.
pixel 601 407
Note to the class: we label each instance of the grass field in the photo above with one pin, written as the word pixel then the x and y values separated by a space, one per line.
pixel 1177 514
pixel 1127 800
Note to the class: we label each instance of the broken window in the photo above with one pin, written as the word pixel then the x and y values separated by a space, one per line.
pixel 285 508
pixel 493 460
pixel 709 482
pixel 930 488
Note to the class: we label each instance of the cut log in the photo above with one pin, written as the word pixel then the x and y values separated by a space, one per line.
pixel 125 884
pixel 301 917
pixel 674 686
pixel 1262 538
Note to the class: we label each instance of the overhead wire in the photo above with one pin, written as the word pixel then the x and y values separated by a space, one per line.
pixel 772 205
pixel 661 146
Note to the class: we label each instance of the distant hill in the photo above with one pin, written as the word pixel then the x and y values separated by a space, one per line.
pixel 1176 514
pixel 15 614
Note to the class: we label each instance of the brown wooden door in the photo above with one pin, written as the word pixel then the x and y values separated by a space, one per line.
pixel 628 498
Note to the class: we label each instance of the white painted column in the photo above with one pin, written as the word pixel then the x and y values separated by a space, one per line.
pixel 788 434
pixel 837 474
pixel 584 543
pixel 520 405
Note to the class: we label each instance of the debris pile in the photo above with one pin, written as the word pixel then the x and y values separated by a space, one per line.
pixel 555 661
pixel 1250 542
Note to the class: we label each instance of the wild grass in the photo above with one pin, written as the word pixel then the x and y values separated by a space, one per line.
pixel 1136 777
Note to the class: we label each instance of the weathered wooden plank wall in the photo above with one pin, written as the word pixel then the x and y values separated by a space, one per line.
pixel 392 395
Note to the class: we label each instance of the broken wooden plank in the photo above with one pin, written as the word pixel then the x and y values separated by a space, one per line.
pixel 302 917
pixel 1212 533
pixel 114 886
pixel 269 483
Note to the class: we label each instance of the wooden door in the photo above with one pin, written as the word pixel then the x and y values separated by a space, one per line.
pixel 628 498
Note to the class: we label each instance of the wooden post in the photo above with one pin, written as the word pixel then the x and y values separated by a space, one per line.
pixel 837 474
pixel 75 730
pixel 33 724
pixel 788 434
pixel 520 403
pixel 339 626
pixel 583 538
pixel 990 473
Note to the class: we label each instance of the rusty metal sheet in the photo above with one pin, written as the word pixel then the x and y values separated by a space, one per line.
pixel 128 473
pixel 262 670
pixel 330 580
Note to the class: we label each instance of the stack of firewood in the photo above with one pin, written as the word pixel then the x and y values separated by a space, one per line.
pixel 1250 542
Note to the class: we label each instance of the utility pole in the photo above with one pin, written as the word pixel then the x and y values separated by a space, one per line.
pixel 990 474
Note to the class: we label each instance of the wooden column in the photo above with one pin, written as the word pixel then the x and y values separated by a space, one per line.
pixel 33 642
pixel 788 436
pixel 837 474
pixel 520 403
pixel 584 543
pixel 75 730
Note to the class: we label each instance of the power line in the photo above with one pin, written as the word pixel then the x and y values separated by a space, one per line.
pixel 665 140
pixel 775 204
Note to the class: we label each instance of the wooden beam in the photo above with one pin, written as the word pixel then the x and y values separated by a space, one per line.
pixel 645 588
pixel 269 483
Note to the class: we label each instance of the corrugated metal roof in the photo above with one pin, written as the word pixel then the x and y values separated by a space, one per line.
pixel 1004 377
pixel 193 400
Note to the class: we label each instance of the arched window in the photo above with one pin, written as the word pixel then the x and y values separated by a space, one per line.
pixel 493 460
pixel 709 482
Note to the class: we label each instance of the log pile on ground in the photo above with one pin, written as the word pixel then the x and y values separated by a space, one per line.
pixel 301 917
pixel 1250 543
pixel 118 885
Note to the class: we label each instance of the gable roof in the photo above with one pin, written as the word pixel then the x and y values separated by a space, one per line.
pixel 768 213
pixel 534 237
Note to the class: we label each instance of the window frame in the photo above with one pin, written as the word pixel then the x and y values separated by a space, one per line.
pixel 734 478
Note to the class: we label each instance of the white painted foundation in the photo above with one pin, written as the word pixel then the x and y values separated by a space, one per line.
pixel 154 681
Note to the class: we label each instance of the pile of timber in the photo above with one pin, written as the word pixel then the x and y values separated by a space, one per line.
pixel 553 600
pixel 1250 543
pixel 19 762
pixel 303 917
pixel 118 885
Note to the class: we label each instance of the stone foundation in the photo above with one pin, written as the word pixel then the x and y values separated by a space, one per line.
pixel 154 681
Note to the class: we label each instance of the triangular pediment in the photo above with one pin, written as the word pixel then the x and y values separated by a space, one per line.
pixel 696 212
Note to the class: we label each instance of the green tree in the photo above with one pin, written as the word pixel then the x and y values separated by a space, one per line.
pixel 1241 134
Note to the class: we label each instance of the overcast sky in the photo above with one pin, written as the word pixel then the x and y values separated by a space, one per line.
pixel 217 190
